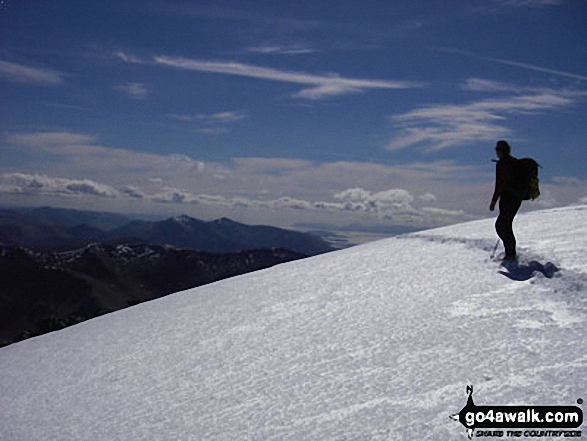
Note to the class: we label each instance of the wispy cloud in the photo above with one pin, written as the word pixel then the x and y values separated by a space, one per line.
pixel 528 3
pixel 482 85
pixel 537 68
pixel 519 64
pixel 18 73
pixel 442 126
pixel 128 58
pixel 210 124
pixel 319 86
pixel 137 91
pixel 48 139
pixel 222 117
pixel 281 50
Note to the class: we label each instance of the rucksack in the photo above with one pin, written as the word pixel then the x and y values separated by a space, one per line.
pixel 525 182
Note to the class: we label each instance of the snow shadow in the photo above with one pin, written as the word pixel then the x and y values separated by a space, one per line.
pixel 525 271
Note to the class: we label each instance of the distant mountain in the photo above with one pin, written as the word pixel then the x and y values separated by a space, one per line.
pixel 222 235
pixel 44 291
pixel 103 221
pixel 52 227
pixel 18 228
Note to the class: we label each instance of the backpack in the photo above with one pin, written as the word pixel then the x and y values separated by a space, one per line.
pixel 525 182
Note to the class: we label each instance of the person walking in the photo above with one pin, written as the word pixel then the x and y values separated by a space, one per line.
pixel 509 202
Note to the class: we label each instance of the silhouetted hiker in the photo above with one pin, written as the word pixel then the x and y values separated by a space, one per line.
pixel 509 202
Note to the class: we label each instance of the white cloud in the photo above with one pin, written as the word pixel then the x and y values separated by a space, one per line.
pixel 218 117
pixel 442 211
pixel 133 192
pixel 80 152
pixel 134 90
pixel 392 204
pixel 444 125
pixel 17 73
pixel 319 86
pixel 22 183
pixel 567 181
pixel 293 50
pixel 482 85
pixel 194 165
pixel 224 116
pixel 428 197
pixel 173 195
pixel 128 58
pixel 210 124
pixel 387 204
pixel 48 139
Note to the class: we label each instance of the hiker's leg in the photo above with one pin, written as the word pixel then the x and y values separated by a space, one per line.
pixel 508 207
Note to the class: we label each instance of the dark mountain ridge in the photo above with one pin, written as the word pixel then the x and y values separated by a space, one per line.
pixel 44 291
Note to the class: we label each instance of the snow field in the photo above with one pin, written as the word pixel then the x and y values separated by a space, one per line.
pixel 372 342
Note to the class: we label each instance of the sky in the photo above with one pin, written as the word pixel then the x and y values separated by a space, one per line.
pixel 366 116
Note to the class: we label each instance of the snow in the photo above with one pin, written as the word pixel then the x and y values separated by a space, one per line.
pixel 374 342
pixel 183 219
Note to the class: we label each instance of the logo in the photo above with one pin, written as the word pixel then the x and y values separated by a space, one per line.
pixel 555 421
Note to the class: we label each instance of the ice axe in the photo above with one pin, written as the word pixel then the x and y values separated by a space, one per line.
pixel 494 249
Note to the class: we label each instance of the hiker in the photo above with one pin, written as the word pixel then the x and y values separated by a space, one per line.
pixel 509 202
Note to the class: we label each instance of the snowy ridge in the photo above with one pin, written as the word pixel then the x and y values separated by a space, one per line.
pixel 372 342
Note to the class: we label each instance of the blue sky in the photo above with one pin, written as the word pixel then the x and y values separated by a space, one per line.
pixel 334 113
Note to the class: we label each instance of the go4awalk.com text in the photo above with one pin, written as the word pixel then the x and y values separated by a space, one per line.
pixel 520 421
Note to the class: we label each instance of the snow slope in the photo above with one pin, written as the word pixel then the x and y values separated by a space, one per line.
pixel 372 342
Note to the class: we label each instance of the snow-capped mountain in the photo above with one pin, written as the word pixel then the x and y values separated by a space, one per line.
pixel 373 342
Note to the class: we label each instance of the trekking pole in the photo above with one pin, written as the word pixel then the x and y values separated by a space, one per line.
pixel 494 249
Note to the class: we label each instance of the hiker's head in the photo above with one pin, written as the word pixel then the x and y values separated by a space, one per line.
pixel 502 148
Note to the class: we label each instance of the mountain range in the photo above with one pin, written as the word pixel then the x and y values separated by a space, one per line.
pixel 52 227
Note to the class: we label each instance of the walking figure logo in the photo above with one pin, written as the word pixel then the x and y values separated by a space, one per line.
pixel 470 405
pixel 561 418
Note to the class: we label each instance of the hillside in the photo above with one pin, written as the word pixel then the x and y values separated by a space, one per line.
pixel 43 291
pixel 374 342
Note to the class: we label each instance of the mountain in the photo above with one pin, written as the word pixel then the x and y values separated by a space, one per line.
pixel 51 227
pixel 374 342
pixel 70 218
pixel 43 291
pixel 220 236
pixel 16 228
